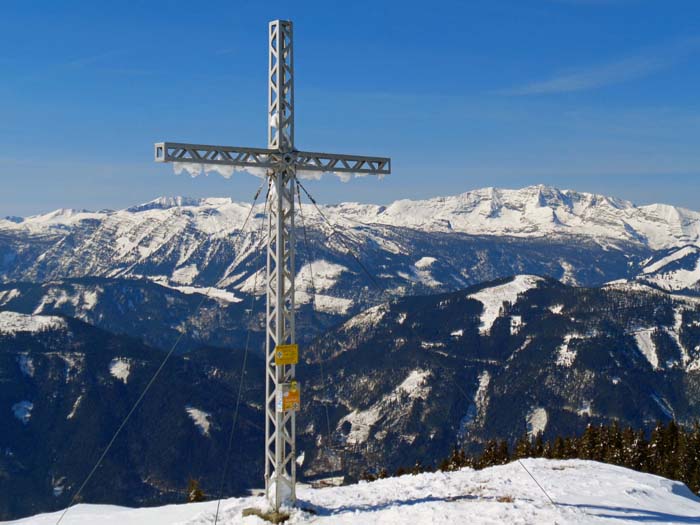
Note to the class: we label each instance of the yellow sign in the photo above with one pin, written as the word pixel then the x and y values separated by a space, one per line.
pixel 288 397
pixel 286 355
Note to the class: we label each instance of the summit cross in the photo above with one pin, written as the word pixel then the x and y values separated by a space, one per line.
pixel 281 160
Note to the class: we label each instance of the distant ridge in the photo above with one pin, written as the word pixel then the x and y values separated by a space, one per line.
pixel 533 211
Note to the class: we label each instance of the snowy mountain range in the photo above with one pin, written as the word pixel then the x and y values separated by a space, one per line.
pixel 533 211
pixel 582 492
pixel 426 352
pixel 194 246
pixel 198 241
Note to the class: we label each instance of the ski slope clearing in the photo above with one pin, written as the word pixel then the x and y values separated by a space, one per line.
pixel 585 492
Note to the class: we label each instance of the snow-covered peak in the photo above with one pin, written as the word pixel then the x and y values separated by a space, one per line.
pixel 163 203
pixel 536 211
pixel 583 492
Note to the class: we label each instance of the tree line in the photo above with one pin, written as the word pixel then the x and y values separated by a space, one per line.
pixel 670 450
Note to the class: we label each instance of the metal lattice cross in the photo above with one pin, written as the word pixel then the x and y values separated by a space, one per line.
pixel 281 161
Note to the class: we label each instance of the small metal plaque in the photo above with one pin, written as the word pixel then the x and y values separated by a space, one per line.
pixel 286 354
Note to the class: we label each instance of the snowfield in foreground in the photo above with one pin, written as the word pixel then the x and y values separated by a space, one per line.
pixel 583 491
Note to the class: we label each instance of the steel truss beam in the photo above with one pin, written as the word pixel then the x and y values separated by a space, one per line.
pixel 271 158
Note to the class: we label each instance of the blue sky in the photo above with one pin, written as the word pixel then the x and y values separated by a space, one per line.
pixel 594 95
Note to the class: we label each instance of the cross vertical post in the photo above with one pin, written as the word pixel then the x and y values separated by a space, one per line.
pixel 280 426
pixel 281 162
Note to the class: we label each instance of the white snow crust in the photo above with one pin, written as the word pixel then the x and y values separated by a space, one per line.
pixel 536 421
pixel 185 274
pixel 7 295
pixel 565 354
pixel 674 279
pixel 74 409
pixel 202 419
pixel 675 256
pixel 646 346
pixel 12 323
pixel 477 409
pixel 584 493
pixel 425 262
pixel 120 368
pixel 409 390
pixel 493 298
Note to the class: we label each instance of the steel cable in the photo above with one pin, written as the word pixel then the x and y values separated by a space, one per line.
pixel 205 296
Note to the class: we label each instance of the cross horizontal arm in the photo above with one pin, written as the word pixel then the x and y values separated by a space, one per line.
pixel 223 155
pixel 271 159
pixel 339 163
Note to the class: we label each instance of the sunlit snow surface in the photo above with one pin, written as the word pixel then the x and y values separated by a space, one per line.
pixel 120 368
pixel 494 297
pixel 201 419
pixel 13 323
pixel 584 492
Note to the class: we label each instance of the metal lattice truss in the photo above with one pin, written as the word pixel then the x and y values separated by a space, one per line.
pixel 281 162
pixel 280 427
pixel 280 101
pixel 271 159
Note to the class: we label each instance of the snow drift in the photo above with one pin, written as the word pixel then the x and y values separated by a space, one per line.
pixel 583 492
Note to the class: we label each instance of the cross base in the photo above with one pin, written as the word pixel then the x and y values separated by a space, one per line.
pixel 270 515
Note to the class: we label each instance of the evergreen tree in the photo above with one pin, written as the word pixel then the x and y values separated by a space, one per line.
pixel 522 448
pixel 559 448
pixel 588 443
pixel 671 451
pixel 502 453
pixel 569 448
pixel 693 459
pixel 656 449
pixel 613 450
pixel 489 456
pixel 538 446
pixel 670 467
pixel 417 468
pixel 194 493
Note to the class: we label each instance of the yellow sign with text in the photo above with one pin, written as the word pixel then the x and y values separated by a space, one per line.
pixel 288 397
pixel 286 355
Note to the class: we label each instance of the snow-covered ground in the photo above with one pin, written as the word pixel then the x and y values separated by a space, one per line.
pixel 583 492
pixel 494 297
pixel 12 323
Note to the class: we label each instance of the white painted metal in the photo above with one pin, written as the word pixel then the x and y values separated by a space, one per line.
pixel 280 427
pixel 271 159
pixel 281 161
